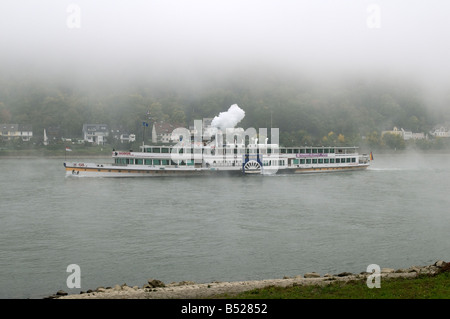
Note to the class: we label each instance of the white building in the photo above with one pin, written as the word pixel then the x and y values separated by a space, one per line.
pixel 95 133
pixel 440 131
pixel 407 135
pixel 15 131
pixel 162 132
pixel 418 136
pixel 125 138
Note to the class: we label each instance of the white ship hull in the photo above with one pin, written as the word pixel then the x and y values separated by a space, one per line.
pixel 110 170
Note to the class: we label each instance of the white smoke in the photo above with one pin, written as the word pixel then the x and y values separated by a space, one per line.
pixel 228 119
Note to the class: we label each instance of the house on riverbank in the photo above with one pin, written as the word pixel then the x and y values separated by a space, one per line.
pixel 95 133
pixel 10 132
pixel 440 131
pixel 407 135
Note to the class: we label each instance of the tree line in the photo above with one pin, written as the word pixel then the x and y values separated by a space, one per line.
pixel 352 113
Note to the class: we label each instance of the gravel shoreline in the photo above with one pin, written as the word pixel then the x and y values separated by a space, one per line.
pixel 156 289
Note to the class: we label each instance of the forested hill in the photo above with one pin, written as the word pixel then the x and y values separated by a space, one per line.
pixel 305 111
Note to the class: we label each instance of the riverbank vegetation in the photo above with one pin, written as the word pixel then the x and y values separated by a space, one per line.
pixel 421 287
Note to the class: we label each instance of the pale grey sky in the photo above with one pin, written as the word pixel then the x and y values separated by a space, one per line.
pixel 408 37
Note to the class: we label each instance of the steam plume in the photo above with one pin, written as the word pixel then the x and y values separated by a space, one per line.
pixel 228 119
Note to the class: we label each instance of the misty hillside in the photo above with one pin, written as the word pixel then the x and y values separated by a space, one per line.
pixel 321 71
pixel 305 110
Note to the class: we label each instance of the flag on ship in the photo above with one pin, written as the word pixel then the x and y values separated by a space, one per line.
pixel 68 149
pixel 371 156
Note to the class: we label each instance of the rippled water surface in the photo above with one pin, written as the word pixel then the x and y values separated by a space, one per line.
pixel 396 214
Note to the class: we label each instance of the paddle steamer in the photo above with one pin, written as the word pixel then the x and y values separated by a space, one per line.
pixel 229 159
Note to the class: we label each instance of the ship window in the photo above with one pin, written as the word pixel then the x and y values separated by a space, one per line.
pixel 148 162
pixel 283 151
pixel 302 150
pixel 289 150
pixel 331 150
pixel 269 151
pixel 332 160
pixel 353 160
pixel 314 160
pixel 191 162
pixel 148 150
pixel 348 160
pixel 326 150
pixel 295 150
pixel 295 161
pixel 338 160
pixel 314 150
pixel 164 150
pixel 164 162
pixel 172 163
pixel 308 161
pixel 326 160
pixel 139 161
pixel 308 150
pixel 156 150
pixel 302 161
pixel 156 162
pixel 320 160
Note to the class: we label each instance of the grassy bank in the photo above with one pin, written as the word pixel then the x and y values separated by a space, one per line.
pixel 421 287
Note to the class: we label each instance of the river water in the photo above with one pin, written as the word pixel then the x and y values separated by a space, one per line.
pixel 203 229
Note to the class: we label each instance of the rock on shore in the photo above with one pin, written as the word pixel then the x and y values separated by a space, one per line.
pixel 156 289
